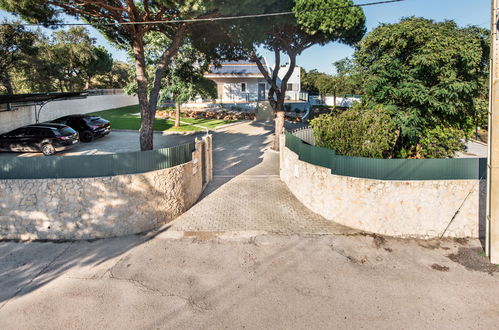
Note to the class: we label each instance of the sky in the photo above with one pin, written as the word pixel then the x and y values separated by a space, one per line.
pixel 464 12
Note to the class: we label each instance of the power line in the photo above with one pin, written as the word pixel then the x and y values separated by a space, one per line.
pixel 214 18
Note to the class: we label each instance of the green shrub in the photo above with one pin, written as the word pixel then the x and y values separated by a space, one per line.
pixel 441 142
pixel 357 132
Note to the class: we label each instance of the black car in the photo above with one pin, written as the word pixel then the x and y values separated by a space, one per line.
pixel 46 137
pixel 88 126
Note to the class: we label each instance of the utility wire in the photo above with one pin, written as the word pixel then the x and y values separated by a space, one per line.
pixel 214 18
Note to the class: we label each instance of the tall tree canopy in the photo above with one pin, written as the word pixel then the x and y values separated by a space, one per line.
pixel 117 21
pixel 311 25
pixel 17 47
pixel 74 59
pixel 429 74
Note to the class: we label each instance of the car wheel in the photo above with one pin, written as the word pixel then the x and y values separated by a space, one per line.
pixel 86 136
pixel 48 149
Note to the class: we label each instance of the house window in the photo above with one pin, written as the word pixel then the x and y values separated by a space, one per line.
pixel 290 87
pixel 243 87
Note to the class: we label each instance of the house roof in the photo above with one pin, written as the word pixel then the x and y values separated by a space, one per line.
pixel 236 68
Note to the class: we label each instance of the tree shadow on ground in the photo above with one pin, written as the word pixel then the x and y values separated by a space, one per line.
pixel 83 209
pixel 26 267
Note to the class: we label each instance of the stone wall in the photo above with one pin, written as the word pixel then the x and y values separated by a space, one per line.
pixel 421 209
pixel 10 120
pixel 89 208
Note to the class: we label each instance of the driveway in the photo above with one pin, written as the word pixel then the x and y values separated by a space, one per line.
pixel 117 141
pixel 474 150
pixel 247 256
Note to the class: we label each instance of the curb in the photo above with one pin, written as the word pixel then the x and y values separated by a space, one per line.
pixel 479 142
pixel 162 132
pixel 239 122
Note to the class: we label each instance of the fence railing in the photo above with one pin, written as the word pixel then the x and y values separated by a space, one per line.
pixel 302 142
pixel 86 166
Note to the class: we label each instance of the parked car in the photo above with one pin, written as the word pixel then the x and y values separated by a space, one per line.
pixel 89 127
pixel 48 138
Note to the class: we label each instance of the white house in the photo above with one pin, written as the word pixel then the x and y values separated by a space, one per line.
pixel 242 82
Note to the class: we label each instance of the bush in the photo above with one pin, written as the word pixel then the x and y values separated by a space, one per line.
pixel 441 142
pixel 357 132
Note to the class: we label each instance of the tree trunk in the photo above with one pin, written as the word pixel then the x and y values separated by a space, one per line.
pixel 177 114
pixel 87 83
pixel 158 75
pixel 7 83
pixel 279 126
pixel 146 131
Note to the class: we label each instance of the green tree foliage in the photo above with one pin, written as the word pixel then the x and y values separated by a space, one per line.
pixel 111 17
pixel 357 132
pixel 74 59
pixel 346 68
pixel 308 81
pixel 429 74
pixel 17 49
pixel 440 142
pixel 183 80
pixel 101 63
pixel 311 26
pixel 66 61
pixel 344 82
pixel 118 77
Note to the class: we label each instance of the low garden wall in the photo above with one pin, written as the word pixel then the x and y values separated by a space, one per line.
pixel 409 200
pixel 75 208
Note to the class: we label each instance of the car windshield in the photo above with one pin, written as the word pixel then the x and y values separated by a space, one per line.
pixel 65 131
pixel 94 120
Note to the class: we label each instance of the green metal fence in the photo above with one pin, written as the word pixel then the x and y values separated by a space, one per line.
pixel 301 142
pixel 94 165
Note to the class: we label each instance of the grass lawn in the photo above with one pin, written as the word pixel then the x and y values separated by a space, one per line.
pixel 129 118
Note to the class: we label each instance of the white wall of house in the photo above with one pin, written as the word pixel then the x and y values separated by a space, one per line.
pixel 294 82
pixel 10 120
pixel 231 89
pixel 329 100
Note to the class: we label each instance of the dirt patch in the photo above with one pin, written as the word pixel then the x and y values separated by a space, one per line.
pixel 354 260
pixel 462 241
pixel 473 259
pixel 202 236
pixel 440 268
pixel 378 241
pixel 430 244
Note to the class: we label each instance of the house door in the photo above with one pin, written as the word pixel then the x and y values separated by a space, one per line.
pixel 261 91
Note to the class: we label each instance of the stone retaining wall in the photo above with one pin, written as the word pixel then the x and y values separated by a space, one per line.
pixel 420 209
pixel 89 208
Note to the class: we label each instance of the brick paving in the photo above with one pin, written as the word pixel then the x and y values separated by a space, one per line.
pixel 247 194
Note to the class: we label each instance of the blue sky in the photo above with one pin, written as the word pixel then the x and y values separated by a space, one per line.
pixel 464 12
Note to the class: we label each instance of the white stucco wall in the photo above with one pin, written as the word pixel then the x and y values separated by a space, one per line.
pixel 229 89
pixel 295 78
pixel 10 120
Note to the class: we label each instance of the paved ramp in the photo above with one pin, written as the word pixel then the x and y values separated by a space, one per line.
pixel 246 193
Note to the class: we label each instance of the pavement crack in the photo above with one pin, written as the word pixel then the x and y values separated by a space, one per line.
pixel 42 271
pixel 192 302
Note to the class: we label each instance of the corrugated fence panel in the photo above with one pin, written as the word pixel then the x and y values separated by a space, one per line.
pixel 94 165
pixel 385 169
